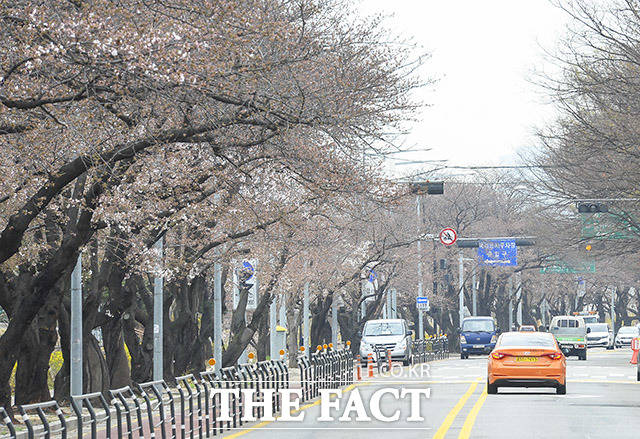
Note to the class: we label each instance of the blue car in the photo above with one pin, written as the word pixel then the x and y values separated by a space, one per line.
pixel 478 335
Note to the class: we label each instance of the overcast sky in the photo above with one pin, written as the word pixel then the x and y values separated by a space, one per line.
pixel 484 107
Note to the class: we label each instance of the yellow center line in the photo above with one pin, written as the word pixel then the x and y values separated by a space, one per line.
pixel 471 417
pixel 446 424
pixel 304 407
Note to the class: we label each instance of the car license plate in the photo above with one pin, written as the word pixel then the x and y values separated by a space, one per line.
pixel 527 359
pixel 478 345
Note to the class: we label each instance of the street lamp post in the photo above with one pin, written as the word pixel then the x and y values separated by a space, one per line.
pixel 419 213
pixel 430 188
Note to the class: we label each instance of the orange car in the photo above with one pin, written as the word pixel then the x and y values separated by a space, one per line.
pixel 527 359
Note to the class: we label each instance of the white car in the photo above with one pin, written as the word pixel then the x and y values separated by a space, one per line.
pixel 600 335
pixel 625 334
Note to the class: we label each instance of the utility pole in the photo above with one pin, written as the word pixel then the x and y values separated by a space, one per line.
pixel 76 328
pixel 510 303
pixel 394 304
pixel 460 286
pixel 157 313
pixel 613 311
pixel 419 213
pixel 217 315
pixel 273 322
pixel 519 297
pixel 334 322
pixel 475 291
pixel 306 330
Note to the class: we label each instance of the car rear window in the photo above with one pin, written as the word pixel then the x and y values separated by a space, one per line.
pixel 529 340
pixel 477 325
pixel 383 328
pixel 598 327
pixel 628 330
pixel 568 323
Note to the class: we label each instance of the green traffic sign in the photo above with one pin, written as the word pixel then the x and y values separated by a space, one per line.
pixel 563 267
pixel 608 226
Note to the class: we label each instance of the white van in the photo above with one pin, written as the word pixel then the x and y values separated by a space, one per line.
pixel 383 334
pixel 571 334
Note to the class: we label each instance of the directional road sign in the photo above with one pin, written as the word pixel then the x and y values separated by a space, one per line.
pixel 566 267
pixel 498 252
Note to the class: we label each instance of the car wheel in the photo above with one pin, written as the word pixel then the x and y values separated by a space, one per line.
pixel 561 390
pixel 463 356
pixel 492 389
pixel 583 355
pixel 406 362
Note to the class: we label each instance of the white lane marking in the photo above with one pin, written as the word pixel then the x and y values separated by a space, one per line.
pixel 616 374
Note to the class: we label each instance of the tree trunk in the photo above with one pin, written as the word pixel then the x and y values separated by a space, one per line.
pixel 115 354
pixel 94 366
pixel 33 363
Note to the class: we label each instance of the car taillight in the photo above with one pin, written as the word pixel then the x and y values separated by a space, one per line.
pixel 497 355
pixel 555 356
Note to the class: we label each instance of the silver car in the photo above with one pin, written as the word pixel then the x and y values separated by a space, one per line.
pixel 625 334
pixel 599 336
pixel 383 334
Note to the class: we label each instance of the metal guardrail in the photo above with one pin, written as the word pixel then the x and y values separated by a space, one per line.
pixel 424 351
pixel 82 402
pixel 190 410
pixel 325 370
pixel 47 428
pixel 6 420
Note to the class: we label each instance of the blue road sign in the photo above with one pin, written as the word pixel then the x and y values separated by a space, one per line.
pixel 247 267
pixel 422 302
pixel 498 253
pixel 372 276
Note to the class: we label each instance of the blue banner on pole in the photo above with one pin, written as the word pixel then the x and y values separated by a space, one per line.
pixel 498 253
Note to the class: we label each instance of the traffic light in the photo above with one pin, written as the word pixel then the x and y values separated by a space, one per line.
pixel 435 187
pixel 592 208
pixel 428 187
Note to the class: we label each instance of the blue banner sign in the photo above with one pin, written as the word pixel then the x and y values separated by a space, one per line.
pixel 498 253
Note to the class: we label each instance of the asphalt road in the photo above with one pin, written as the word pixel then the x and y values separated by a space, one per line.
pixel 602 400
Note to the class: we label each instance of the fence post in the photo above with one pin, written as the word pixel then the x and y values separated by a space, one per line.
pixel 38 408
pixel 80 401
